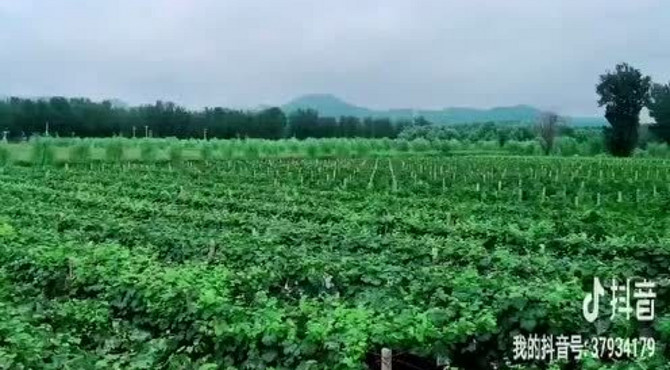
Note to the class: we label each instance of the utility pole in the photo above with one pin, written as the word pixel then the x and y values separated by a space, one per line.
pixel 146 131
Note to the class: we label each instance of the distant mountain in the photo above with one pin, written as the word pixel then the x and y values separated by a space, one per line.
pixel 521 113
pixel 331 106
pixel 327 105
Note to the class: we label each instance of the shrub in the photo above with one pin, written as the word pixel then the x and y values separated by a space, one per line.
pixel 80 153
pixel 175 154
pixel 361 147
pixel 442 146
pixel 420 145
pixel 148 152
pixel 4 155
pixel 114 151
pixel 311 148
pixel 42 152
pixel 402 145
pixel 206 152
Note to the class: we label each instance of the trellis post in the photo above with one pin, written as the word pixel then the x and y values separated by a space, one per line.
pixel 387 360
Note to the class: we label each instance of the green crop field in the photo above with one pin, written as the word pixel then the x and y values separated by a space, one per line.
pixel 269 261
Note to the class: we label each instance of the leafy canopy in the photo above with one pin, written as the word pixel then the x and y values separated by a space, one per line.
pixel 659 109
pixel 623 93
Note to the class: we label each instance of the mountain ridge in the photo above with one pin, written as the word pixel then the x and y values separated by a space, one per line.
pixel 331 106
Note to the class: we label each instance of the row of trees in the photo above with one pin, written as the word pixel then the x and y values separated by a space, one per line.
pixel 472 132
pixel 548 128
pixel 624 92
pixel 84 118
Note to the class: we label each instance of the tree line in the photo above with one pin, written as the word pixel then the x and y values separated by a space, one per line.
pixel 80 117
pixel 623 92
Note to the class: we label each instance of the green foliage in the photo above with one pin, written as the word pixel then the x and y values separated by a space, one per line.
pixel 659 109
pixel 206 152
pixel 297 264
pixel 252 149
pixel 623 93
pixel 148 152
pixel 402 145
pixel 4 155
pixel 80 153
pixel 42 152
pixel 442 146
pixel 119 150
pixel 6 230
pixel 114 151
pixel 175 154
pixel 419 145
pixel 568 146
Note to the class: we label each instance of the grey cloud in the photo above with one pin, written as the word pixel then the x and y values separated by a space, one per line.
pixel 382 54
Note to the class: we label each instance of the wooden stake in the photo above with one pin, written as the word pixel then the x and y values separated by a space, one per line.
pixel 387 360
pixel 394 182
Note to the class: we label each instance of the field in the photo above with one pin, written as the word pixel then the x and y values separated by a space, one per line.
pixel 270 261
pixel 61 152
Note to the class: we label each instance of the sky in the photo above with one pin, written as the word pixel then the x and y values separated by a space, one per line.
pixel 380 54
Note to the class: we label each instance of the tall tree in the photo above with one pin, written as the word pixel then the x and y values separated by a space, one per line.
pixel 623 93
pixel 349 126
pixel 659 109
pixel 547 129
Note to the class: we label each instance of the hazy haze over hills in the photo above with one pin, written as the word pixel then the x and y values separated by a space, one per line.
pixel 330 105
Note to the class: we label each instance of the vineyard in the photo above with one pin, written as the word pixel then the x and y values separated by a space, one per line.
pixel 64 152
pixel 263 261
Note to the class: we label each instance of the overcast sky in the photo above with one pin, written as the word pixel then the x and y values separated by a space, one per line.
pixel 380 54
